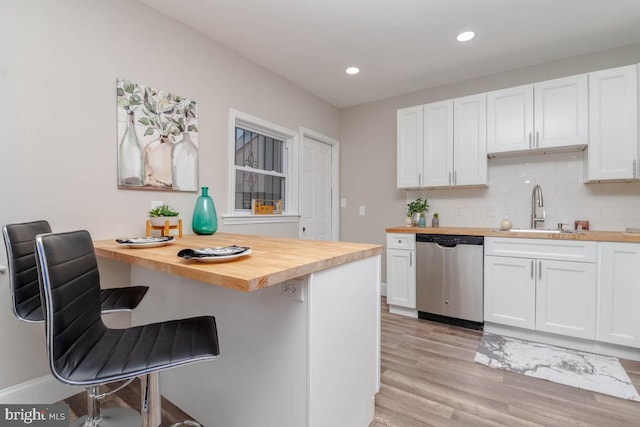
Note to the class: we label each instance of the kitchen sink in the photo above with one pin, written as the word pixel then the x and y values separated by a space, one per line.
pixel 536 230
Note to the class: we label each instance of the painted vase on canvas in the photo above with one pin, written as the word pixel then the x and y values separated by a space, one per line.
pixel 205 218
pixel 130 156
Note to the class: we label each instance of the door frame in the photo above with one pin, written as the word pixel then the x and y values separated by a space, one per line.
pixel 335 181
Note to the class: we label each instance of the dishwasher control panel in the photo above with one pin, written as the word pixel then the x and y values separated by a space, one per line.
pixel 449 240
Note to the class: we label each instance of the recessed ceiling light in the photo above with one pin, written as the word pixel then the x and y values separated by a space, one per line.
pixel 466 36
pixel 353 70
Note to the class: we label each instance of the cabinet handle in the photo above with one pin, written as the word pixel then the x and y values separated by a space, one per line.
pixel 537 139
pixel 532 266
pixel 450 177
pixel 634 168
pixel 410 259
pixel 419 179
pixel 529 139
pixel 455 177
pixel 540 270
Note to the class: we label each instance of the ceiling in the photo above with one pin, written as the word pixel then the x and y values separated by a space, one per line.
pixel 402 46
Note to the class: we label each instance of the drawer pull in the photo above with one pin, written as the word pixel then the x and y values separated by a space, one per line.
pixel 532 269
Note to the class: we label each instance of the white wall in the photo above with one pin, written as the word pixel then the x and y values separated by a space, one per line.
pixel 59 61
pixel 368 165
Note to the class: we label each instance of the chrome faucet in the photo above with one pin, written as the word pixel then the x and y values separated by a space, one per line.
pixel 536 201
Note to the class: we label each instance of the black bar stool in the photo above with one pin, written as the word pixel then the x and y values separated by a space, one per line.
pixel 83 351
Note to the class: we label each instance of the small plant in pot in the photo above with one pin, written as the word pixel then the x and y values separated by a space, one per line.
pixel 163 213
pixel 416 210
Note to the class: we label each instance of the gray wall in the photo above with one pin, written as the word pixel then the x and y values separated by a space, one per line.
pixel 368 144
pixel 59 61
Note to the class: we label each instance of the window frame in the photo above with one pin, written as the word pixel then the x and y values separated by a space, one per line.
pixel 290 212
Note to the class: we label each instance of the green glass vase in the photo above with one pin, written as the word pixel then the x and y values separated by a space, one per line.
pixel 205 219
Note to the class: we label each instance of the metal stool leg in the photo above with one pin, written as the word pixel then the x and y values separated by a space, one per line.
pixel 151 409
pixel 151 403
pixel 110 417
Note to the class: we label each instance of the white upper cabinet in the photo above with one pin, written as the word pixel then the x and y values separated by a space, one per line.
pixel 470 140
pixel 445 146
pixel 546 116
pixel 410 146
pixel 613 125
pixel 510 119
pixel 438 144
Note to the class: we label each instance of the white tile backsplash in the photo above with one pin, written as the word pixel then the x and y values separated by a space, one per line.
pixel 607 206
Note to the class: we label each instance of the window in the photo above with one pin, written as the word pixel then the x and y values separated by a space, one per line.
pixel 259 168
pixel 263 166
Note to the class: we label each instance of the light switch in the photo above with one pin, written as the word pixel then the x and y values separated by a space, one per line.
pixel 343 202
pixel 362 210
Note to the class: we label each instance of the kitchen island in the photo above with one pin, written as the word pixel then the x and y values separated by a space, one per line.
pixel 303 358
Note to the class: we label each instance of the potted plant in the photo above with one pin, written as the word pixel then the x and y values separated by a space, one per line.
pixel 416 211
pixel 163 213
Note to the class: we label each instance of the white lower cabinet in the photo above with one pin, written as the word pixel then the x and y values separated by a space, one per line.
pixel 566 298
pixel 509 292
pixel 619 290
pixel 401 270
pixel 539 286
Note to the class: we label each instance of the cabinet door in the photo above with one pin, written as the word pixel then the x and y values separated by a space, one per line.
pixel 438 144
pixel 409 147
pixel 510 119
pixel 566 298
pixel 509 291
pixel 470 140
pixel 619 290
pixel 561 112
pixel 613 124
pixel 401 278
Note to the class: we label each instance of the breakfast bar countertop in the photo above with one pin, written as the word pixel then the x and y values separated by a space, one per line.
pixel 596 236
pixel 272 260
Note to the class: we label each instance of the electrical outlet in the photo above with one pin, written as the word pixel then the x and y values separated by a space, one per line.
pixel 457 211
pixel 343 203
pixel 292 289
pixel 156 204
pixel 361 210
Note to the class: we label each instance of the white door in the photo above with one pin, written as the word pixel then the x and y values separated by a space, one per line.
pixel 510 119
pixel 509 291
pixel 613 124
pixel 619 304
pixel 561 112
pixel 409 147
pixel 438 144
pixel 566 298
pixel 317 207
pixel 470 140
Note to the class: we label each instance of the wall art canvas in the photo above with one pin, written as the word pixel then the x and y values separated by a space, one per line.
pixel 157 139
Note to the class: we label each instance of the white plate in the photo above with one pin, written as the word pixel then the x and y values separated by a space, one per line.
pixel 221 258
pixel 146 242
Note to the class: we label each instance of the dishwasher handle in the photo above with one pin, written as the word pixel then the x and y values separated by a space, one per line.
pixel 446 245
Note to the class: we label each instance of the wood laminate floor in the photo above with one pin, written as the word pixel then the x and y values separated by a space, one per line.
pixel 429 378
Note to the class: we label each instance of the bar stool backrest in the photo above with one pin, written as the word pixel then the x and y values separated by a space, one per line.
pixel 19 240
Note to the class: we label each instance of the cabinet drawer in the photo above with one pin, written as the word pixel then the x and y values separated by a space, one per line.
pixel 401 241
pixel 560 250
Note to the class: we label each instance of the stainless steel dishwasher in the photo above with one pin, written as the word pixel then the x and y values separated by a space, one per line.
pixel 449 279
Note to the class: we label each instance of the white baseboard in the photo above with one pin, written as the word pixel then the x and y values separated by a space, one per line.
pixel 41 390
pixel 383 289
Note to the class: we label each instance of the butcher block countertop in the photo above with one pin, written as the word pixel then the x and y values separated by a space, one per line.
pixel 597 236
pixel 272 260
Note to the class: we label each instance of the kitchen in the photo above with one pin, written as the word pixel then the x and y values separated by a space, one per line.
pixel 49 65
